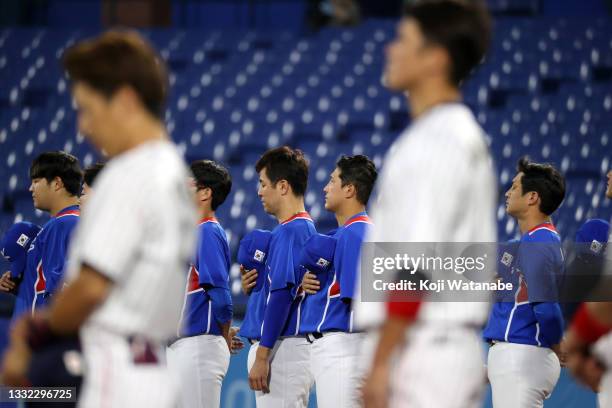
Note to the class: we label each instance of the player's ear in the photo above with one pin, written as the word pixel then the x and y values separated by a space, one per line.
pixel 283 187
pixel 57 183
pixel 349 191
pixel 534 198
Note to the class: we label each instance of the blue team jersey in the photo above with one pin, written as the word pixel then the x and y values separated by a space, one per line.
pixel 281 271
pixel 535 267
pixel 45 262
pixel 210 269
pixel 329 309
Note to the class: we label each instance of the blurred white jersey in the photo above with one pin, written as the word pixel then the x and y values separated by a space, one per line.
pixel 139 232
pixel 437 185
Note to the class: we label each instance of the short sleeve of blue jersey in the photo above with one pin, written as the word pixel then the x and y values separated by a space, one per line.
pixel 55 249
pixel 212 263
pixel 540 263
pixel 347 258
pixel 282 261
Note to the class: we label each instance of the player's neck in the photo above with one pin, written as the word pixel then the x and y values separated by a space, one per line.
pixel 293 206
pixel 206 213
pixel 141 130
pixel 349 211
pixel 530 221
pixel 62 203
pixel 429 95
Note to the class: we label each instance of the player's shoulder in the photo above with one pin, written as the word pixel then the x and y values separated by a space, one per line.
pixel 296 228
pixel 453 126
pixel 212 228
pixel 542 233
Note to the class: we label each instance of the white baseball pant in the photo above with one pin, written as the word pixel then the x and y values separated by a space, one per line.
pixel 439 367
pixel 200 364
pixel 333 362
pixel 113 379
pixel 521 375
pixel 290 376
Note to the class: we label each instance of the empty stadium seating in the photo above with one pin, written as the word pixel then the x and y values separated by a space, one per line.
pixel 544 90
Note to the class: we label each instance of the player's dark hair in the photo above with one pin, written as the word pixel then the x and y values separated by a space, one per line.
pixel 359 171
pixel 49 165
pixel 545 180
pixel 463 28
pixel 116 59
pixel 90 173
pixel 209 174
pixel 285 163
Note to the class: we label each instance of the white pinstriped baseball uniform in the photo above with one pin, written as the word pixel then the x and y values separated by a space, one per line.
pixel 437 185
pixel 139 232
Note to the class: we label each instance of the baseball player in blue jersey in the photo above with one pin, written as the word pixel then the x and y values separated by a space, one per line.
pixel 200 357
pixel 526 327
pixel 327 318
pixel 56 183
pixel 279 358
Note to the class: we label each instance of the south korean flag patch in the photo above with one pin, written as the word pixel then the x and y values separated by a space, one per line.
pixel 507 259
pixel 322 262
pixel 596 247
pixel 259 255
pixel 22 241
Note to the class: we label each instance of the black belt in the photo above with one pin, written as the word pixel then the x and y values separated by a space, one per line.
pixel 311 337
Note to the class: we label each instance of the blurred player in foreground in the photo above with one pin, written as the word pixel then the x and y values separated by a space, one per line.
pixel 437 185
pixel 327 318
pixel 526 327
pixel 127 262
pixel 201 355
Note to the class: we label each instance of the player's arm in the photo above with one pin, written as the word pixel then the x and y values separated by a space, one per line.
pixel 78 301
pixel 586 328
pixel 213 279
pixel 277 310
pixel 54 257
pixel 539 271
pixel 348 251
pixel 275 317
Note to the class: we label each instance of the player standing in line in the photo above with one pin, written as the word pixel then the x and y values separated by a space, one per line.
pixel 89 176
pixel 327 318
pixel 525 329
pixel 126 271
pixel 437 186
pixel 56 184
pixel 278 364
pixel 588 341
pixel 200 357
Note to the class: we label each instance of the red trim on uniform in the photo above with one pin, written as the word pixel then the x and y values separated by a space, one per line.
pixel 71 212
pixel 546 225
pixel 302 214
pixel 41 283
pixel 334 289
pixel 406 310
pixel 194 280
pixel 361 218
pixel 208 219
pixel 587 327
